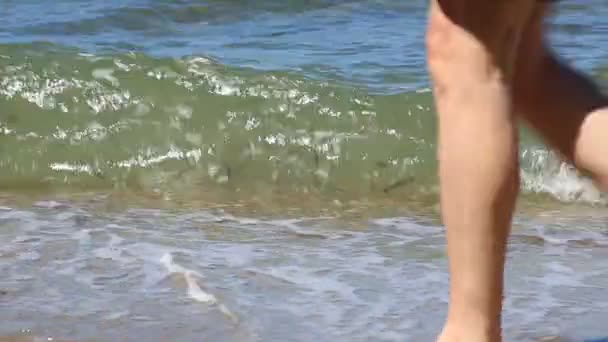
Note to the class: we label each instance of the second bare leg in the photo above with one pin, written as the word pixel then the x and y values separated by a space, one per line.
pixel 566 107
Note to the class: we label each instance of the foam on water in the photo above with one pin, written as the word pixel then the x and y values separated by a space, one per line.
pixel 194 290
pixel 204 103
pixel 223 277
pixel 546 173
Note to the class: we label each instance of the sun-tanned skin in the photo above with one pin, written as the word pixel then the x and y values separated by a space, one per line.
pixel 489 66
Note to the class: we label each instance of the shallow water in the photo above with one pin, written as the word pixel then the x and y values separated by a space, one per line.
pixel 219 171
pixel 88 274
pixel 174 97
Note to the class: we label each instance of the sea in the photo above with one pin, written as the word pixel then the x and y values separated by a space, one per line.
pixel 232 170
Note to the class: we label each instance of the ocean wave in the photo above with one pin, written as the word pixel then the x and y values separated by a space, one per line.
pixel 163 124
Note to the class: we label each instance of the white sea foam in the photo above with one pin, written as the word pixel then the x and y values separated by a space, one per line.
pixel 194 289
pixel 546 173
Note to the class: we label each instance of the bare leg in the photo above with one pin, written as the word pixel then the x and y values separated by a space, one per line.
pixel 471 47
pixel 566 108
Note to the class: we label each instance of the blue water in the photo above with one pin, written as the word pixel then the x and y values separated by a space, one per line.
pixel 377 44
pixel 269 112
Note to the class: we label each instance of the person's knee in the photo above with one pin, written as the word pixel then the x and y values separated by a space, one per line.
pixel 437 39
pixel 438 56
pixel 590 152
pixel 461 49
pixel 449 45
pixel 454 57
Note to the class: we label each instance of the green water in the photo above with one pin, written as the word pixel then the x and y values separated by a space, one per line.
pixel 173 99
pixel 72 121
pixel 239 171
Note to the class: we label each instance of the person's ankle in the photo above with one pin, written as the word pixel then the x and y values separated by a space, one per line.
pixel 468 334
pixel 470 329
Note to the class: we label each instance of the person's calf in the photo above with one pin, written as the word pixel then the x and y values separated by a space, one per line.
pixel 469 64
